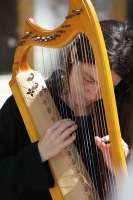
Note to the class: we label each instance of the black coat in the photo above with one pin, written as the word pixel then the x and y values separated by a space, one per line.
pixel 22 174
pixel 124 100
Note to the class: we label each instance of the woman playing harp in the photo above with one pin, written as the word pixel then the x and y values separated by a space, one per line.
pixel 24 169
pixel 84 95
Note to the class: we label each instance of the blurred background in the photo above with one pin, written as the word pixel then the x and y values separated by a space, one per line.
pixel 48 14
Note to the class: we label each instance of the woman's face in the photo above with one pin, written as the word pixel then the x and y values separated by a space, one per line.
pixel 84 84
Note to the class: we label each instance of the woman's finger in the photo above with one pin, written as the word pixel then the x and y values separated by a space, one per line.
pixel 68 131
pixel 100 143
pixel 59 123
pixel 105 138
pixel 67 125
pixel 126 149
pixel 69 140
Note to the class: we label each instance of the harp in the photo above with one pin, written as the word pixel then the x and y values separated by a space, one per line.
pixel 36 105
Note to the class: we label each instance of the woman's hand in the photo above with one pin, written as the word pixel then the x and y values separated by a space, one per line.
pixel 104 145
pixel 56 138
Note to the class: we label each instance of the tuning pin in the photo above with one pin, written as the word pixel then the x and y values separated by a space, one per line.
pixel 37 38
pixel 28 32
pixel 66 26
pixel 32 36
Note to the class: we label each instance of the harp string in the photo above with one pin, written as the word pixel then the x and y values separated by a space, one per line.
pixel 71 102
pixel 51 69
pixel 83 148
pixel 80 137
pixel 101 116
pixel 79 163
pixel 96 108
pixel 98 112
pixel 98 117
pixel 62 65
pixel 86 137
pixel 110 184
pixel 74 118
pixel 47 70
pixel 90 63
pixel 94 123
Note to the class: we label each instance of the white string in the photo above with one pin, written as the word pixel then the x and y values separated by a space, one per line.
pixel 99 111
pixel 89 143
pixel 101 116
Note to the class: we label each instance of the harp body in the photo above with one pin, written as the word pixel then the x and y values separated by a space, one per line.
pixel 39 113
pixel 36 106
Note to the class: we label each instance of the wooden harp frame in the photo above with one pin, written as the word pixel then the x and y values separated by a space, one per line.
pixel 81 18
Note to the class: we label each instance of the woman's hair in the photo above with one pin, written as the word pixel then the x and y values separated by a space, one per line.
pixel 118 38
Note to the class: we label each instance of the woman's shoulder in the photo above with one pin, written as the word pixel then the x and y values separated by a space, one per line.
pixel 9 103
pixel 10 107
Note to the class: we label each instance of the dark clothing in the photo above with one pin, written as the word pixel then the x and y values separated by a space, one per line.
pixel 124 100
pixel 22 174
